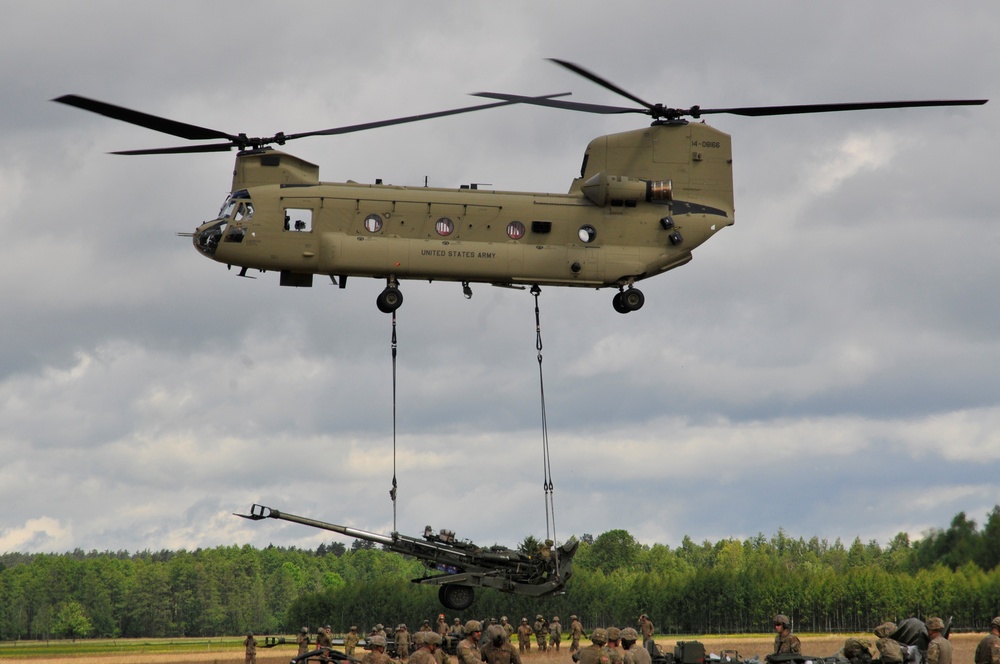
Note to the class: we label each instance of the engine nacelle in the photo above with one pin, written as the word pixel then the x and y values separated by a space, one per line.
pixel 603 189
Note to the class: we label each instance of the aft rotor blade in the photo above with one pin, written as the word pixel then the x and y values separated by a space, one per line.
pixel 577 69
pixel 759 111
pixel 555 103
pixel 163 125
pixel 414 118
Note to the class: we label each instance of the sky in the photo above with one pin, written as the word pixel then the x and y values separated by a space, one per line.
pixel 826 366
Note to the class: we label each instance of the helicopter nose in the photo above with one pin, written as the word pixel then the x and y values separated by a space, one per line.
pixel 207 236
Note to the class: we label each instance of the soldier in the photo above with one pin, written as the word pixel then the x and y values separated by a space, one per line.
pixel 633 654
pixel 555 633
pixel 378 630
pixel 888 650
pixel 426 626
pixel 302 638
pixel 988 650
pixel 456 628
pixel 575 634
pixel 541 629
pixel 377 654
pixel 598 652
pixel 468 648
pixel 856 651
pixel 614 641
pixel 350 641
pixel 939 649
pixel 251 646
pixel 524 636
pixel 402 642
pixel 498 649
pixel 646 629
pixel 324 637
pixel 423 652
pixel 442 626
pixel 440 655
pixel 784 640
pixel 508 629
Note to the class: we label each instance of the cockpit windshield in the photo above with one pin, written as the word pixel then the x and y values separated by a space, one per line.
pixel 237 207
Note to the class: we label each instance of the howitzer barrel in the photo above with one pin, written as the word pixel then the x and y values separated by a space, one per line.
pixel 258 512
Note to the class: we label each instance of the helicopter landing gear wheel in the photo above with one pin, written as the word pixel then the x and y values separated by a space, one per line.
pixel 628 300
pixel 455 597
pixel 389 300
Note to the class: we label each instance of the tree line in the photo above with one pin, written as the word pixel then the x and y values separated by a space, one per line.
pixel 729 586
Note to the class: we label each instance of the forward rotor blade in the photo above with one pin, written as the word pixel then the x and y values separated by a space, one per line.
pixel 555 103
pixel 577 69
pixel 163 125
pixel 759 111
pixel 413 118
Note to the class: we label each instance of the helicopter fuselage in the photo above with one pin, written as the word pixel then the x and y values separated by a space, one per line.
pixel 644 201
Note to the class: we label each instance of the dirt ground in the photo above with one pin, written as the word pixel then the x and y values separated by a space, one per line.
pixel 747 645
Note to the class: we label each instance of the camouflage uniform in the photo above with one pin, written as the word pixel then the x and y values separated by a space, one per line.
pixel 939 649
pixel 555 633
pixel 456 628
pixel 402 642
pixel 646 628
pixel 541 629
pixel 350 641
pixel 888 650
pixel 988 650
pixel 441 627
pixel 856 651
pixel 498 649
pixel 423 654
pixel 323 638
pixel 507 628
pixel 251 646
pixel 634 654
pixel 377 654
pixel 614 642
pixel 599 653
pixel 524 636
pixel 575 634
pixel 302 638
pixel 468 648
pixel 784 640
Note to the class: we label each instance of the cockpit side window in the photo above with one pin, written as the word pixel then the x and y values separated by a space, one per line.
pixel 299 220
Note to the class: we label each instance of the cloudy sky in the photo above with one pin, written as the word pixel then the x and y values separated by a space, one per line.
pixel 827 365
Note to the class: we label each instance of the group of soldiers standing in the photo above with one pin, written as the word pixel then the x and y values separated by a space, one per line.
pixel 613 645
pixel 890 651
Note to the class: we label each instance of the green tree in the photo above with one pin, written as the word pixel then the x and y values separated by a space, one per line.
pixel 72 622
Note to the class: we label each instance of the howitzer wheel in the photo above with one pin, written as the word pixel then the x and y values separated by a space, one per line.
pixel 456 597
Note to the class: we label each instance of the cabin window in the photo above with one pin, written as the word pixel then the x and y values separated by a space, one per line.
pixel 299 220
pixel 515 230
pixel 444 226
pixel 373 223
pixel 587 233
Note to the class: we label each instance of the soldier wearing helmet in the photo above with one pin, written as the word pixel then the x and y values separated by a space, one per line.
pixel 251 649
pixel 988 650
pixel 324 639
pixel 524 636
pixel 427 647
pixel 442 626
pixel 468 648
pixel 575 634
pixel 351 640
pixel 784 640
pixel 507 627
pixel 634 654
pixel 377 653
pixel 646 629
pixel 497 649
pixel 402 641
pixel 456 629
pixel 555 633
pixel 541 629
pixel 302 638
pixel 888 650
pixel 939 649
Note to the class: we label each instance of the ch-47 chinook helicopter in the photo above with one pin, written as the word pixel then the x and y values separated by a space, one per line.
pixel 644 200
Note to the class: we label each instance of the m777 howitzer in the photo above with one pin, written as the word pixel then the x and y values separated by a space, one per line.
pixel 464 565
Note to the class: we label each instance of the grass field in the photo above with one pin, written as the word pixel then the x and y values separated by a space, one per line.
pixel 230 650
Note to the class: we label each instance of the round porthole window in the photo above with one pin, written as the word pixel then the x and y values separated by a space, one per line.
pixel 444 226
pixel 373 223
pixel 515 230
pixel 587 233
